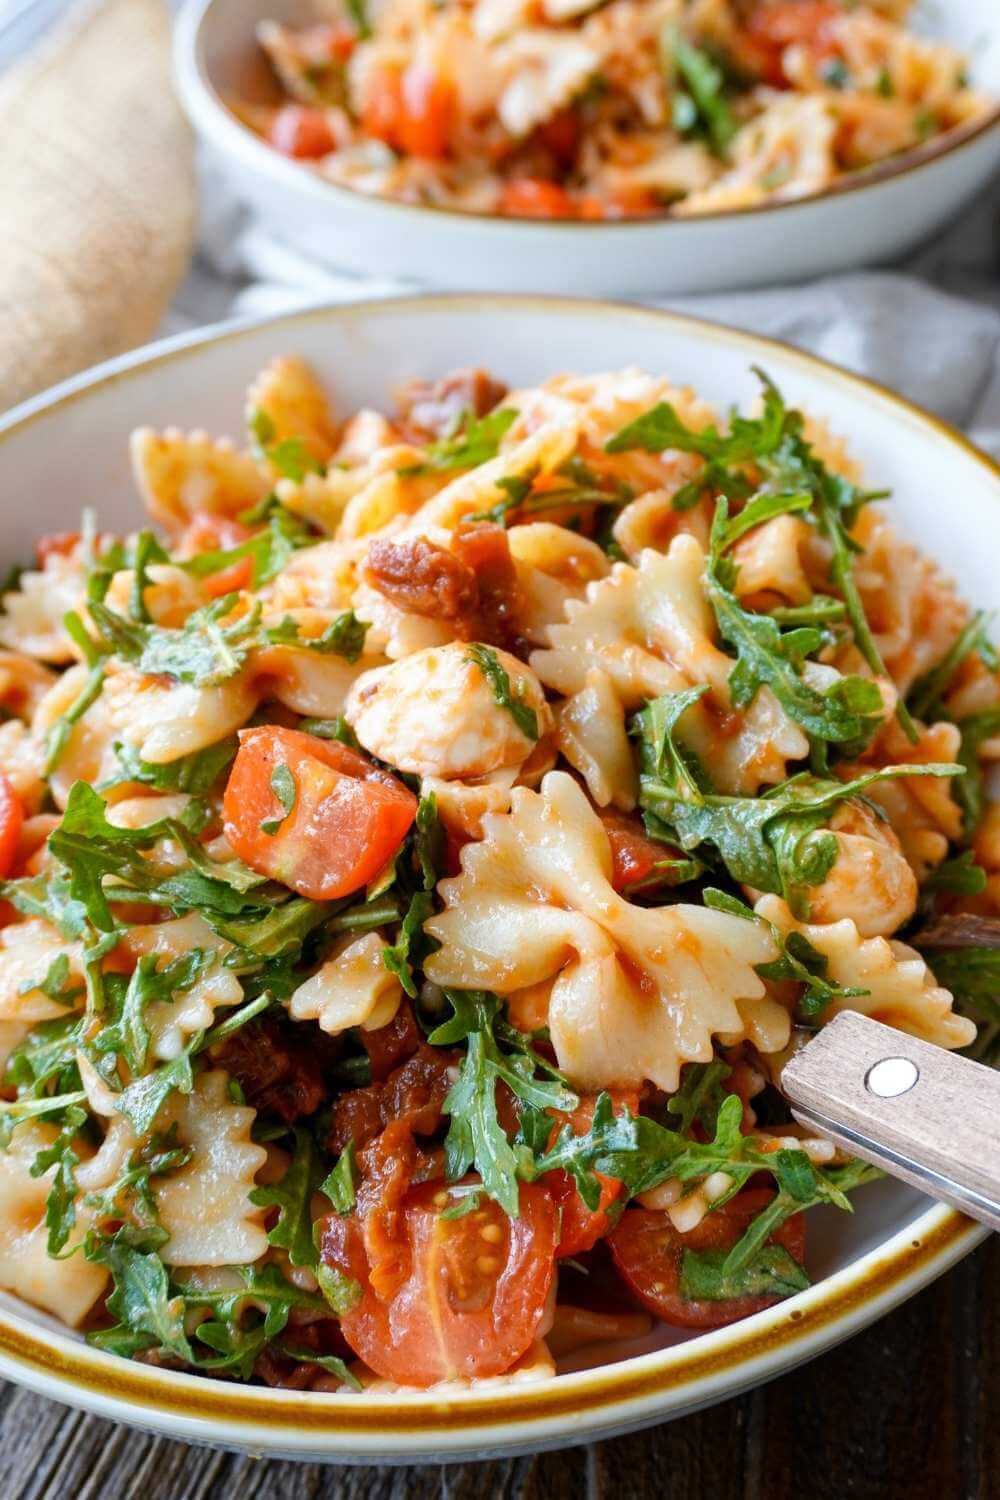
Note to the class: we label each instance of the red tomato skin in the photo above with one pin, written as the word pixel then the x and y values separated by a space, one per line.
pixel 647 1251
pixel 449 1320
pixel 772 28
pixel 535 198
pixel 56 544
pixel 11 823
pixel 581 1227
pixel 301 131
pixel 206 532
pixel 349 817
pixel 411 109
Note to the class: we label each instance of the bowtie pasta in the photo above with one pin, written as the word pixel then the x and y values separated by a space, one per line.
pixel 605 109
pixel 421 852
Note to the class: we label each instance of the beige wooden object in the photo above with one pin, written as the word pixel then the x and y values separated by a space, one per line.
pixel 97 194
pixel 923 1114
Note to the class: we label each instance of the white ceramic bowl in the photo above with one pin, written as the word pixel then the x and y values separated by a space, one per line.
pixel 68 448
pixel 865 219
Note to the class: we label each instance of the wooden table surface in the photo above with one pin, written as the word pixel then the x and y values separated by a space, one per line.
pixel 910 1408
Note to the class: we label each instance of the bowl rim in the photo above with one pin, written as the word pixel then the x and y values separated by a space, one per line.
pixel 210 115
pixel 573 1406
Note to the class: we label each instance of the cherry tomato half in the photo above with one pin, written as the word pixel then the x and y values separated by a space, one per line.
pixel 581 1227
pixel 473 1291
pixel 648 1250
pixel 346 821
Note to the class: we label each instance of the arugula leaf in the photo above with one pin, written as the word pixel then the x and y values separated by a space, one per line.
pixel 149 1315
pixel 47 896
pixel 203 651
pixel 428 842
pixel 975 729
pixel 60 1205
pixel 344 636
pixel 960 876
pixel 847 712
pixel 776 842
pixel 340 1183
pixel 700 1096
pixel 924 697
pixel 332 1363
pixel 748 437
pixel 90 848
pixel 703 109
pixel 128 1035
pixel 475 1134
pixel 357 11
pixel 292 1196
pixel 399 957
pixel 799 961
pixel 143 1099
pixel 233 1331
pixel 196 773
pixel 474 442
pixel 493 670
pixel 147 550
pixel 770 1272
pixel 831 1186
pixel 59 735
pixel 289 456
pixel 284 788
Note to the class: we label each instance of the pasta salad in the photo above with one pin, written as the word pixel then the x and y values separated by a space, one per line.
pixel 606 109
pixel 423 844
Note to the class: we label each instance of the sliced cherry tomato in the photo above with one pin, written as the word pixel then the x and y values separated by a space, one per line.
pixel 11 822
pixel 206 532
pixel 581 1227
pixel 347 820
pixel 334 41
pixel 772 28
pixel 302 131
pixel 635 857
pixel 55 544
pixel 648 1250
pixel 411 109
pixel 473 1289
pixel 534 198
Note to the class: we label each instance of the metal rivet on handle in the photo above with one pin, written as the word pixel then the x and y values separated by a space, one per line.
pixel 891 1077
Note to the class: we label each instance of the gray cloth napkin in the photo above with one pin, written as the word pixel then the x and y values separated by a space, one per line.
pixel 929 329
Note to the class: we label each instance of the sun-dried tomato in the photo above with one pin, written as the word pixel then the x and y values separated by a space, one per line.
pixel 433 407
pixel 280 1072
pixel 422 578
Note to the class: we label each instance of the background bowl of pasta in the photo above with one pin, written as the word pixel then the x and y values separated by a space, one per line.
pixel 520 165
pixel 70 448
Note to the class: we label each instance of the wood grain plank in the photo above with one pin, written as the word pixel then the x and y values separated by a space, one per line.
pixel 905 1411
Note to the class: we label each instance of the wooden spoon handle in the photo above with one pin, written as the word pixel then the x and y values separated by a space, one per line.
pixel 919 1112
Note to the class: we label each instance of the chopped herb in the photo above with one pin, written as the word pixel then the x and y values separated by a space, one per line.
pixel 489 663
pixel 344 636
pixel 703 108
pixel 770 1272
pixel 340 1184
pixel 283 787
pixel 204 650
pixel 475 441
pixel 476 1137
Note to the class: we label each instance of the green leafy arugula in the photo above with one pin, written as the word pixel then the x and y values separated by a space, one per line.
pixel 701 108
pixel 206 650
pixel 474 441
pixel 775 842
pixel 289 456
pixel 496 1052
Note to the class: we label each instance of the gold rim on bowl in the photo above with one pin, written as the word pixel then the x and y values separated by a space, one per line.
pixel 634 1391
